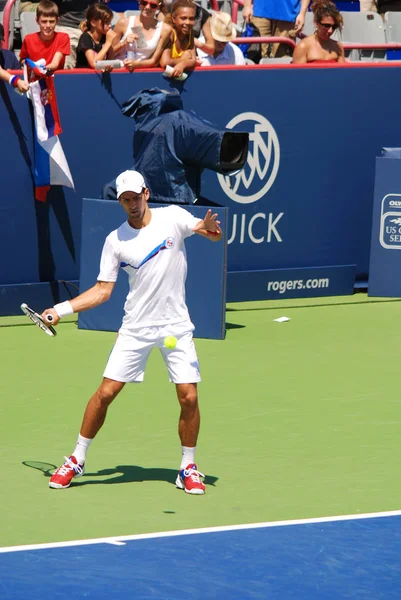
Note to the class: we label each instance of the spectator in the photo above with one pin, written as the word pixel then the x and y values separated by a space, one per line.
pixel 140 40
pixel 72 14
pixel 225 53
pixel 203 38
pixel 5 63
pixel 15 81
pixel 46 44
pixel 319 47
pixel 180 50
pixel 8 60
pixel 282 18
pixel 202 34
pixel 96 40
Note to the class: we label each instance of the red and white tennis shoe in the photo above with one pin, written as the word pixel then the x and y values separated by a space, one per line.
pixel 64 474
pixel 188 479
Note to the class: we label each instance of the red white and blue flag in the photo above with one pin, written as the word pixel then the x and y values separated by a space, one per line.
pixel 51 167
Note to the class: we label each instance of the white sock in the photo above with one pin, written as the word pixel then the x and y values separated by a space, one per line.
pixel 81 448
pixel 187 457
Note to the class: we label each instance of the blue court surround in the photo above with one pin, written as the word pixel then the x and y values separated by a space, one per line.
pixel 352 558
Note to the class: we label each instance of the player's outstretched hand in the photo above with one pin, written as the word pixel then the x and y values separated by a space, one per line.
pixel 54 316
pixel 210 226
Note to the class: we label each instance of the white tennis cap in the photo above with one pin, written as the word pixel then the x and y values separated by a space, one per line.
pixel 129 181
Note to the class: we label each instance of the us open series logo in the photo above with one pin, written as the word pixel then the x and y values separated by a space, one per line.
pixel 390 222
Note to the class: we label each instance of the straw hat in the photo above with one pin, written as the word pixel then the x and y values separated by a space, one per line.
pixel 222 27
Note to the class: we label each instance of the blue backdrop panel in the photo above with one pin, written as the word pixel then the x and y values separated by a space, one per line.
pixel 304 199
pixel 37 295
pixel 206 280
pixel 279 284
pixel 385 252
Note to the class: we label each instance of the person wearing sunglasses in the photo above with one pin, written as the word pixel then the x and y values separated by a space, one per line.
pixel 140 39
pixel 319 47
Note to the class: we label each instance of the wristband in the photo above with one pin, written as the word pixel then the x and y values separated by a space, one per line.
pixel 13 81
pixel 63 309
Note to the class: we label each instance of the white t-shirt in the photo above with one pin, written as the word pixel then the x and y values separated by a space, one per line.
pixel 155 260
pixel 144 52
pixel 231 55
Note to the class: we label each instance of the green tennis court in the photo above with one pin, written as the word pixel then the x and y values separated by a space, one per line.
pixel 299 419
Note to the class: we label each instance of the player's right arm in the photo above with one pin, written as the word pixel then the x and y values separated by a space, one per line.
pixel 99 293
pixel 91 298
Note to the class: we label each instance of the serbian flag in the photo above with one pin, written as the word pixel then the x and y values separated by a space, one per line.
pixel 51 167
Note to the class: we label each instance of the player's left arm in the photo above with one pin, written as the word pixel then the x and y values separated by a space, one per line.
pixel 209 227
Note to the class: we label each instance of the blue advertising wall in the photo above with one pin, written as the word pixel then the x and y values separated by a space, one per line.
pixel 304 199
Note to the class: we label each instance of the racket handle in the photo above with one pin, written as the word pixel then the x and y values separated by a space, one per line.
pixel 49 318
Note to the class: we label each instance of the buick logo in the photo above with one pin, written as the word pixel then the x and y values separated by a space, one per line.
pixel 261 168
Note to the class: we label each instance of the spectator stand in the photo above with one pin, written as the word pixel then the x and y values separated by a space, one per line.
pixel 365 36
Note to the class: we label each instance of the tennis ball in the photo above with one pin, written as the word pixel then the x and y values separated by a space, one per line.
pixel 170 342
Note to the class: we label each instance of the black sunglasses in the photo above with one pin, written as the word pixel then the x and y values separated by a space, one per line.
pixel 329 26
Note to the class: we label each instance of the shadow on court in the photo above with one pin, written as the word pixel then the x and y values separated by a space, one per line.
pixel 122 474
pixel 234 326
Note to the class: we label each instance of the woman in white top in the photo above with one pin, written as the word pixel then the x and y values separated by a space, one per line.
pixel 140 39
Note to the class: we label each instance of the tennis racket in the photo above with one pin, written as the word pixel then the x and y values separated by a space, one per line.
pixel 37 319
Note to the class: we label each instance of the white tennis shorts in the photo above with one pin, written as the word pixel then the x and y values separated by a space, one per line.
pixel 128 358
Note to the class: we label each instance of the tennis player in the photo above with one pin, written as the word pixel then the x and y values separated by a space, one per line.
pixel 149 246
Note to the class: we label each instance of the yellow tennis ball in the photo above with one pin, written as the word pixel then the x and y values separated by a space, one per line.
pixel 170 342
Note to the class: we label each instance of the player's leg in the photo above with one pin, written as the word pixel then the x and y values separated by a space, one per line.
pixel 94 417
pixel 183 367
pixel 188 477
pixel 126 363
pixel 96 409
pixel 189 421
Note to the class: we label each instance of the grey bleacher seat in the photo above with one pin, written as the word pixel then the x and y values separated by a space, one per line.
pixel 392 22
pixel 276 61
pixel 248 61
pixel 364 28
pixel 28 23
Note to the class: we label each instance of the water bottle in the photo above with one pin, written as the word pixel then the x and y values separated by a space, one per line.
pixel 131 51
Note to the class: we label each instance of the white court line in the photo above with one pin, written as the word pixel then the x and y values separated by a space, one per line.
pixel 120 540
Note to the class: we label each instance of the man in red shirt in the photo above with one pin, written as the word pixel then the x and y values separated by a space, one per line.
pixel 47 44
